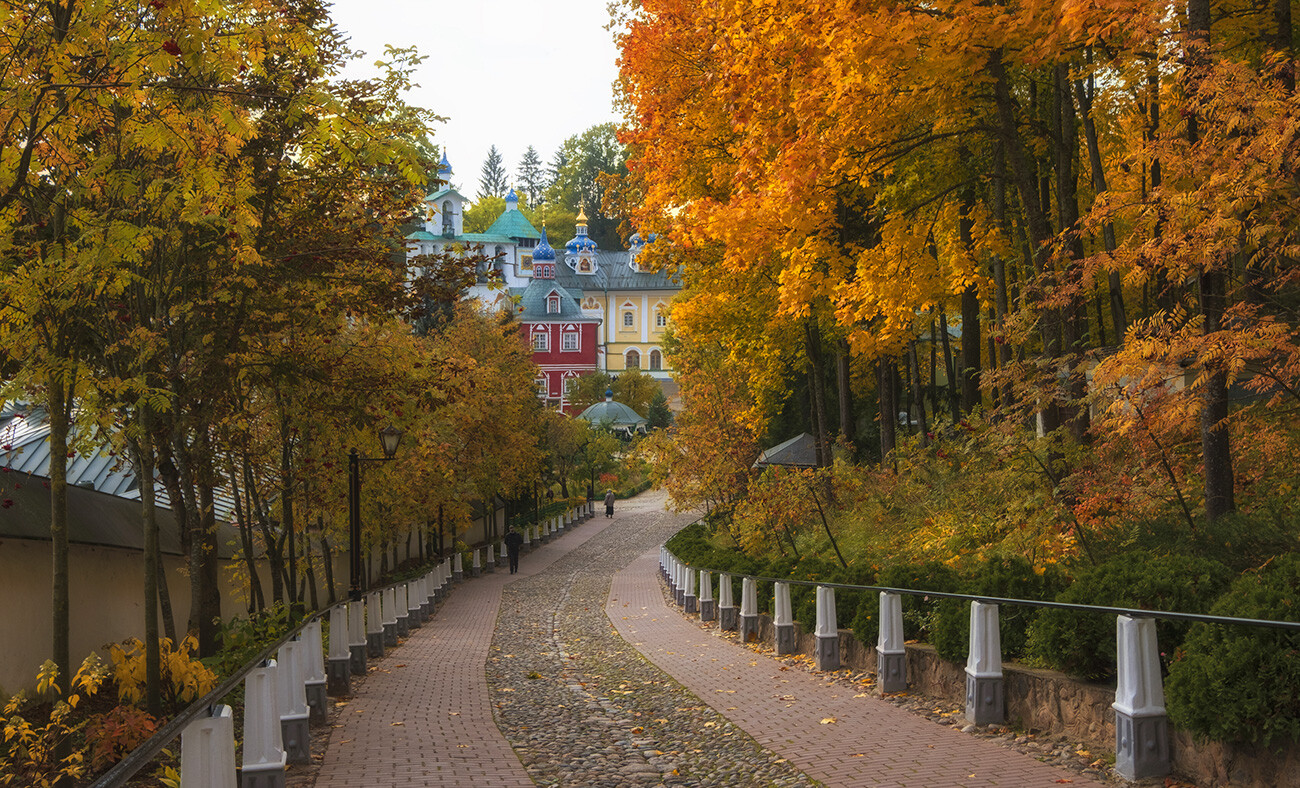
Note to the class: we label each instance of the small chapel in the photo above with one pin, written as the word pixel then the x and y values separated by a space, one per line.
pixel 581 308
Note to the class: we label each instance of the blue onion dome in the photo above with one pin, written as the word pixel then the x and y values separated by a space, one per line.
pixel 635 240
pixel 444 167
pixel 580 243
pixel 543 250
pixel 512 197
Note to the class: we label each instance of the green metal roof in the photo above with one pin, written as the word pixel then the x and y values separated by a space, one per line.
pixel 514 224
pixel 445 192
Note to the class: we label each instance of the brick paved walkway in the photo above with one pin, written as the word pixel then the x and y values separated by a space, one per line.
pixel 423 717
pixel 870 743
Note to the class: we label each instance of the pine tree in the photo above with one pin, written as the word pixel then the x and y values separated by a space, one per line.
pixel 659 415
pixel 531 176
pixel 492 180
pixel 559 163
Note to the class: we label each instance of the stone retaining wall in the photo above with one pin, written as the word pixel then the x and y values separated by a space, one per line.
pixel 1055 705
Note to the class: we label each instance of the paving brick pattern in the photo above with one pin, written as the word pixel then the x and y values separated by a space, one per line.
pixel 831 733
pixel 423 717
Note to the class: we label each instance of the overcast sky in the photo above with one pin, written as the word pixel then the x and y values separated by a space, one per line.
pixel 512 73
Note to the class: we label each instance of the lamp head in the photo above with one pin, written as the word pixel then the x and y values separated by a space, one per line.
pixel 389 437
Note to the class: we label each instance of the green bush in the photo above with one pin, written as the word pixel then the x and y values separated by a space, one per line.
pixel 1083 643
pixel 1007 576
pixel 1242 683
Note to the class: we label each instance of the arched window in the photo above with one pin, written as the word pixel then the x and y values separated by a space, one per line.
pixel 633 359
pixel 553 304
pixel 448 229
pixel 656 360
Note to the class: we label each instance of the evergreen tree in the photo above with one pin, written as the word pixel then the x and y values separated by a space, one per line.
pixel 531 176
pixel 492 180
pixel 659 415
pixel 559 164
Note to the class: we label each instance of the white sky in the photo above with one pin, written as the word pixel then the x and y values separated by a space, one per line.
pixel 512 73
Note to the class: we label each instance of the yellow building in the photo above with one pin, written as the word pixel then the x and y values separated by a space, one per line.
pixel 632 304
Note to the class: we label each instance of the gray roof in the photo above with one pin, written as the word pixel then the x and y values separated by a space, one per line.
pixel 103 489
pixel 613 272
pixel 615 414
pixel 798 452
pixel 533 304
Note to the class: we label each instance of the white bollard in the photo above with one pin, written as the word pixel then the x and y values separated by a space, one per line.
pixel 891 654
pixel 400 610
pixel 748 610
pixel 313 671
pixel 828 631
pixel 985 703
pixel 264 758
pixel 294 730
pixel 688 597
pixel 505 554
pixel 708 608
pixel 476 568
pixel 357 636
pixel 726 604
pixel 1141 725
pixel 413 595
pixel 208 750
pixel 338 679
pixel 374 625
pixel 458 567
pixel 389 598
pixel 783 620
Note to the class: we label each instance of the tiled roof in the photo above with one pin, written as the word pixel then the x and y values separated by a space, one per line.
pixel 513 224
pixel 533 304
pixel 614 273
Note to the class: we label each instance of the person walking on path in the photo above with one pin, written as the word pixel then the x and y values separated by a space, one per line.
pixel 609 503
pixel 514 540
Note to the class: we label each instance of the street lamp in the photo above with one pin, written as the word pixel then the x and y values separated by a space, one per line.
pixel 389 438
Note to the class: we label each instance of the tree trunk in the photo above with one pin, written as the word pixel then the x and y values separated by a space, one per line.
pixel 916 394
pixel 143 451
pixel 1115 284
pixel 1035 220
pixel 843 380
pixel 59 402
pixel 970 318
pixel 1074 328
pixel 888 407
pixel 999 265
pixel 954 402
pixel 817 379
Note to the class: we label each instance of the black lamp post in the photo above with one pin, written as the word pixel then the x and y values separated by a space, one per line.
pixel 389 438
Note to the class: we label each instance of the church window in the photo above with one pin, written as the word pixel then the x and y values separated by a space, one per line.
pixel 629 319
pixel 633 359
pixel 570 340
pixel 447 227
pixel 541 342
pixel 656 360
pixel 553 305
pixel 542 388
pixel 661 320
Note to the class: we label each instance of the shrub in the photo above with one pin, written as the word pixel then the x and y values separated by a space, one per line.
pixel 1242 683
pixel 111 735
pixel 184 679
pixel 1083 643
pixel 32 749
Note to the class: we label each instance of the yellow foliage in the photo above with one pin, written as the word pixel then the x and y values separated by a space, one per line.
pixel 184 678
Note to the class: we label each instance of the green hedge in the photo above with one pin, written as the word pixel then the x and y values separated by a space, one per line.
pixel 1239 683
pixel 1083 644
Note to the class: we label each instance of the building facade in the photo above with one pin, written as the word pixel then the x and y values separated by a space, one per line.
pixel 611 307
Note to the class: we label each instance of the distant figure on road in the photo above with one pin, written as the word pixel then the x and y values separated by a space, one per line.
pixel 513 540
pixel 609 503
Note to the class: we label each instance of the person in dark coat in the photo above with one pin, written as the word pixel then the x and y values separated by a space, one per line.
pixel 514 540
pixel 609 503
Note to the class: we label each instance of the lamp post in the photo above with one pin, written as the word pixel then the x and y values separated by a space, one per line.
pixel 389 438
